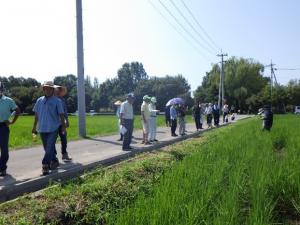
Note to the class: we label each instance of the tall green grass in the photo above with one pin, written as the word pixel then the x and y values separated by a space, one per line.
pixel 243 176
pixel 20 135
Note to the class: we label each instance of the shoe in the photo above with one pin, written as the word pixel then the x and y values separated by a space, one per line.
pixel 54 165
pixel 183 134
pixel 147 143
pixel 142 142
pixel 120 139
pixel 2 173
pixel 155 140
pixel 65 157
pixel 127 149
pixel 45 169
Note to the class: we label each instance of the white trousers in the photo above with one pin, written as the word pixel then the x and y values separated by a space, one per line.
pixel 152 128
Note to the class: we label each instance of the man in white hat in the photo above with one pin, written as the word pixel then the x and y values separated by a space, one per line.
pixel 7 108
pixel 152 120
pixel 49 115
pixel 145 113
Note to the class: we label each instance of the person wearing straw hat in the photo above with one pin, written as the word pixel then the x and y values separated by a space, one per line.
pixel 152 120
pixel 145 113
pixel 60 92
pixel 8 107
pixel 126 118
pixel 49 116
pixel 118 105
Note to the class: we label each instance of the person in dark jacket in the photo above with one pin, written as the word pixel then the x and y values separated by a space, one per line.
pixel 197 116
pixel 267 117
pixel 216 114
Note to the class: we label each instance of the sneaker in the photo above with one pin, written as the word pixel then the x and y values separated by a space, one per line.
pixel 54 165
pixel 45 169
pixel 2 173
pixel 66 157
pixel 155 140
pixel 147 143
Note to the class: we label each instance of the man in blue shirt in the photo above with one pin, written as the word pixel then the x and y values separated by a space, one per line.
pixel 7 108
pixel 173 117
pixel 49 115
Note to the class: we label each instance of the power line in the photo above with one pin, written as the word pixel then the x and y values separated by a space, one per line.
pixel 191 25
pixel 287 69
pixel 203 30
pixel 182 35
pixel 189 33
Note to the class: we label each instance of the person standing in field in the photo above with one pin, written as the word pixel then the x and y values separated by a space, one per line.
pixel 197 116
pixel 60 92
pixel 181 116
pixel 118 105
pixel 153 111
pixel 126 117
pixel 173 117
pixel 8 107
pixel 225 113
pixel 49 116
pixel 208 113
pixel 216 114
pixel 145 114
pixel 167 116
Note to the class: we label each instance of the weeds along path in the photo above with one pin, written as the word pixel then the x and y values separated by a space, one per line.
pixel 232 175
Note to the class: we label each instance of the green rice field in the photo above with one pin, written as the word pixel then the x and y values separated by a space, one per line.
pixel 20 135
pixel 232 175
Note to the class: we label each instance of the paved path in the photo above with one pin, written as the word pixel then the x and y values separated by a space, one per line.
pixel 24 166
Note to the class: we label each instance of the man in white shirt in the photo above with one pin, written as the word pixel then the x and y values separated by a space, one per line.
pixel 152 122
pixel 126 119
pixel 145 113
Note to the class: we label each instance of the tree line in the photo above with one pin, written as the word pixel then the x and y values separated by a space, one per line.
pixel 245 87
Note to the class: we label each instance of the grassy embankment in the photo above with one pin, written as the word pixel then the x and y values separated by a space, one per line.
pixel 20 135
pixel 232 175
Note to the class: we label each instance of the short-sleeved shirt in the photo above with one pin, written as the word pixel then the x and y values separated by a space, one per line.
pixel 48 110
pixel 127 110
pixel 145 109
pixel 173 113
pixel 7 105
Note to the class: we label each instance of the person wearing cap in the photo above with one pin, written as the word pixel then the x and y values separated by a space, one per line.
pixel 118 105
pixel 145 113
pixel 49 116
pixel 126 118
pixel 8 107
pixel 152 120
pixel 60 92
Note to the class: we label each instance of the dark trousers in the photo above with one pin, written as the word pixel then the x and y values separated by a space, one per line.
pixel 128 124
pixel 197 122
pixel 4 137
pixel 173 126
pixel 63 140
pixel 48 140
pixel 216 119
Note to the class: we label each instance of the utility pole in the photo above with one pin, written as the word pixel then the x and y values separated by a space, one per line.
pixel 80 71
pixel 271 81
pixel 221 84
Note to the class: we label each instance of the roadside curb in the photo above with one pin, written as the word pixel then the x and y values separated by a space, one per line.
pixel 13 191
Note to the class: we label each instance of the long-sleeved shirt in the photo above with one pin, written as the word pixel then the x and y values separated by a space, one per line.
pixel 173 113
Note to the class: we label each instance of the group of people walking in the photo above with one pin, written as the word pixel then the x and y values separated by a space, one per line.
pixel 125 117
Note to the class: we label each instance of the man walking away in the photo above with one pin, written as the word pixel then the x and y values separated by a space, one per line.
pixel 126 117
pixel 173 117
pixel 118 105
pixel 196 116
pixel 49 115
pixel 225 113
pixel 216 114
pixel 8 107
pixel 153 111
pixel 208 113
pixel 60 92
pixel 181 115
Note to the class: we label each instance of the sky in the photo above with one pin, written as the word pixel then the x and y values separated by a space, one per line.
pixel 38 37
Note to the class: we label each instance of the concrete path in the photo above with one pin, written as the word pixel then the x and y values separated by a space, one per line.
pixel 24 166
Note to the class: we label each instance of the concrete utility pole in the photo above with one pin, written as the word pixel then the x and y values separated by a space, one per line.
pixel 80 71
pixel 221 84
pixel 271 80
